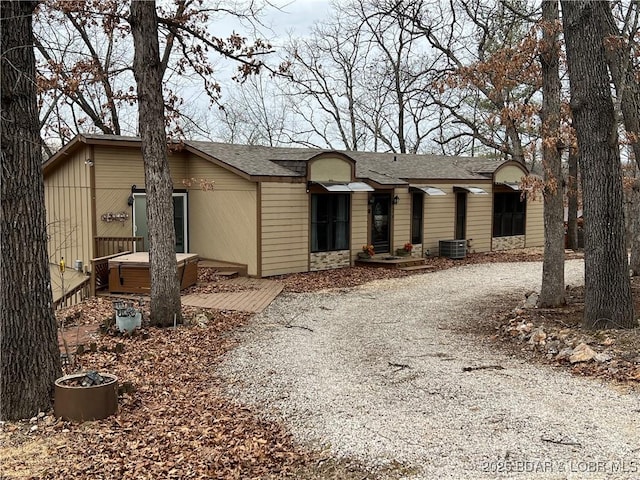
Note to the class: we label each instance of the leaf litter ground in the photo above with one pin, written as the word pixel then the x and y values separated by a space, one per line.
pixel 175 421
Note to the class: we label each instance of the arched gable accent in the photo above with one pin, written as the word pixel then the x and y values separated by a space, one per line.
pixel 331 167
pixel 510 172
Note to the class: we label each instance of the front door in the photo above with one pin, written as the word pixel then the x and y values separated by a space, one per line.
pixel 141 227
pixel 380 222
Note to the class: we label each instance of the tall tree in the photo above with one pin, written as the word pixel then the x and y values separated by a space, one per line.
pixel 493 76
pixel 85 51
pixel 572 199
pixel 30 353
pixel 147 69
pixel 619 52
pixel 552 291
pixel 608 300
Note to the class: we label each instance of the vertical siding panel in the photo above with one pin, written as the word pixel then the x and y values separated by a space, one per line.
pixel 359 222
pixel 285 228
pixel 439 218
pixel 534 223
pixel 222 221
pixel 479 219
pixel 401 219
pixel 68 221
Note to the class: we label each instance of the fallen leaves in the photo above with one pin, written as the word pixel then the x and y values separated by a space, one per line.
pixel 175 424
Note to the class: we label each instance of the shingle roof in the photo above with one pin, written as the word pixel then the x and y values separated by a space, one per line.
pixel 382 168
pixel 408 166
pixel 254 160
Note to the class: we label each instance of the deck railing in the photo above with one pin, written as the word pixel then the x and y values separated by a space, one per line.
pixel 74 296
pixel 109 245
pixel 100 272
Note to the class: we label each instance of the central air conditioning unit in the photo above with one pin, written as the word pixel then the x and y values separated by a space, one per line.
pixel 455 249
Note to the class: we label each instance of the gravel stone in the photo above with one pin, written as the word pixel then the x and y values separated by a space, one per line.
pixel 377 374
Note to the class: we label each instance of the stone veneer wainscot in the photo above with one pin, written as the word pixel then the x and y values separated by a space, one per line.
pixel 327 260
pixel 508 243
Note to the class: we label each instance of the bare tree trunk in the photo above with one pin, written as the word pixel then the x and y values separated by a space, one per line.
pixel 608 301
pixel 634 209
pixel 552 291
pixel 628 90
pixel 30 353
pixel 165 287
pixel 572 195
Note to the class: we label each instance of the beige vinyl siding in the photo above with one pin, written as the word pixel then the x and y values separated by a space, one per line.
pixel 479 219
pixel 439 218
pixel 222 222
pixel 68 211
pixel 113 200
pixel 359 222
pixel 401 219
pixel 285 228
pixel 123 166
pixel 117 170
pixel 509 174
pixel 327 169
pixel 535 223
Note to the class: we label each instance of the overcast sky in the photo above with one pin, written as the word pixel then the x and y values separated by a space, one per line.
pixel 292 17
pixel 297 15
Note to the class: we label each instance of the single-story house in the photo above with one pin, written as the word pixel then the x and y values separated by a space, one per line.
pixel 285 210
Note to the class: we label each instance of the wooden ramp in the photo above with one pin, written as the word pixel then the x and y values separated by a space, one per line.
pixel 258 295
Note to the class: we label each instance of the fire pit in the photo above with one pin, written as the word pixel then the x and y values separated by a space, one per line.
pixel 86 396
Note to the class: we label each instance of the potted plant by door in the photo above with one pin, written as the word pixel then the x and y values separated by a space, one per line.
pixel 404 251
pixel 367 252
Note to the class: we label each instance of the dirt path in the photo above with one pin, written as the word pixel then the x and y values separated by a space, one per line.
pixel 381 374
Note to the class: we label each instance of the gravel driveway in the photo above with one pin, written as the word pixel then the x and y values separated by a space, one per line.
pixel 376 374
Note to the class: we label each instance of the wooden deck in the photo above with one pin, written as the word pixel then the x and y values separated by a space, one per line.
pixel 258 295
pixel 74 286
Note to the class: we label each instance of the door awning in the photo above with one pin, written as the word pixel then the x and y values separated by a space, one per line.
pixel 360 187
pixel 345 187
pixel 431 191
pixel 472 190
pixel 512 185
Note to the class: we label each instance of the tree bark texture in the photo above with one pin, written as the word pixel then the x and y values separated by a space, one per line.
pixel 573 187
pixel 30 353
pixel 634 208
pixel 608 300
pixel 628 91
pixel 165 286
pixel 552 291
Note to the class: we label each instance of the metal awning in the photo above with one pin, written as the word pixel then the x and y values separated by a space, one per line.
pixel 360 187
pixel 431 191
pixel 345 187
pixel 473 190
pixel 512 185
pixel 334 187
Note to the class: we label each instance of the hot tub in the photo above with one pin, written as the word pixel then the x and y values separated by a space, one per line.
pixel 130 273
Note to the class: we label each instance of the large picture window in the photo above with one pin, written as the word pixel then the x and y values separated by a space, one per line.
pixel 329 222
pixel 508 215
